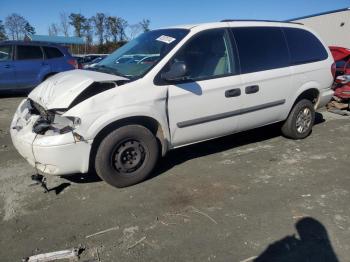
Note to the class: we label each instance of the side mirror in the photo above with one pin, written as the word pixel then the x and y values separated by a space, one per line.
pixel 177 71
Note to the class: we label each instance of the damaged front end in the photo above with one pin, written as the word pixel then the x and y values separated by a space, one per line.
pixel 52 122
pixel 47 134
pixel 48 141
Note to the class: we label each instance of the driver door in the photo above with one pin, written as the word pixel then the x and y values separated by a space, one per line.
pixel 206 103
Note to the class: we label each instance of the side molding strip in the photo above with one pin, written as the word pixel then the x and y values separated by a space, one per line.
pixel 211 118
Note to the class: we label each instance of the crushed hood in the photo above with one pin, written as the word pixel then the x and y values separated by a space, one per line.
pixel 60 90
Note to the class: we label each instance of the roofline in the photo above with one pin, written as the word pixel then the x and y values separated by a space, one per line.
pixel 30 42
pixel 257 20
pixel 319 14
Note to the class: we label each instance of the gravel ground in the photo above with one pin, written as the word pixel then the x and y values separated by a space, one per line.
pixel 254 194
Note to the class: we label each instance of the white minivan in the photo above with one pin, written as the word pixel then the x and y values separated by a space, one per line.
pixel 173 87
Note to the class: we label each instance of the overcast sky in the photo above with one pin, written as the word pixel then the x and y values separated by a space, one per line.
pixel 41 13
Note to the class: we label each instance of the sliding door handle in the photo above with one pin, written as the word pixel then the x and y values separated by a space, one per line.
pixel 252 89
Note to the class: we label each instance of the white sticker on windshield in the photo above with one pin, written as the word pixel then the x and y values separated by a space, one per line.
pixel 166 39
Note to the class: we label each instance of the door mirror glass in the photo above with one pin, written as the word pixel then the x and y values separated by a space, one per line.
pixel 178 71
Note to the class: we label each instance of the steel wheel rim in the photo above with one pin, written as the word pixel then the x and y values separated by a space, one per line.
pixel 128 156
pixel 304 119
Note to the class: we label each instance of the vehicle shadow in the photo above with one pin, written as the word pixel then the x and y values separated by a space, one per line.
pixel 183 154
pixel 312 245
pixel 87 178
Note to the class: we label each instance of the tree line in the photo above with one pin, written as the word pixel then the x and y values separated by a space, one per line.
pixel 102 32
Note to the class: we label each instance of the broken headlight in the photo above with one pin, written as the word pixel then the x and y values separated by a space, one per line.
pixel 58 125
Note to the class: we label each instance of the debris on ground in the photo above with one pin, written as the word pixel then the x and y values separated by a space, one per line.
pixel 103 231
pixel 40 180
pixel 338 107
pixel 137 243
pixel 52 256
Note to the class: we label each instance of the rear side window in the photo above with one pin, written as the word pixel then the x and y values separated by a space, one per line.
pixel 52 52
pixel 5 53
pixel 261 48
pixel 304 46
pixel 26 52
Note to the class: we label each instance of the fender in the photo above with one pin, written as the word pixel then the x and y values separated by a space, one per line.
pixel 126 112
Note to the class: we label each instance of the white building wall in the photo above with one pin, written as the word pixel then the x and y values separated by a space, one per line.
pixel 334 28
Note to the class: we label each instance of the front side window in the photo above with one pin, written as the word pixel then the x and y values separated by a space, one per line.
pixel 26 52
pixel 138 56
pixel 304 47
pixel 207 55
pixel 261 48
pixel 5 53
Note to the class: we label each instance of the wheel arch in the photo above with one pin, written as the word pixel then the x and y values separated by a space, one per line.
pixel 149 122
pixel 310 91
pixel 311 94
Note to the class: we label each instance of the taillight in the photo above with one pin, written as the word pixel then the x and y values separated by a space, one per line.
pixel 73 63
pixel 333 69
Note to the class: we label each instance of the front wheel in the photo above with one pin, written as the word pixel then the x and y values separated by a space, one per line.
pixel 300 120
pixel 126 156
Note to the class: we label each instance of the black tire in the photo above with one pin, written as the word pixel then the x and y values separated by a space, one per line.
pixel 294 130
pixel 126 156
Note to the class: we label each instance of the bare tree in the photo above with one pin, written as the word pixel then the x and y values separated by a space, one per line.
pixel 15 25
pixel 88 31
pixel 99 24
pixel 113 27
pixel 53 29
pixel 107 29
pixel 3 35
pixel 122 25
pixel 134 30
pixel 145 23
pixel 77 21
pixel 64 22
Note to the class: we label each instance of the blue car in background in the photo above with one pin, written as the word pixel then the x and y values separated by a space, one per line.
pixel 24 65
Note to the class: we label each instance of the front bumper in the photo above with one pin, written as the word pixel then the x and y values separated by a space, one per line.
pixel 58 154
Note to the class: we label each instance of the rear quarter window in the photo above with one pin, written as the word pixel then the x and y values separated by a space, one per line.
pixel 52 52
pixel 304 46
pixel 261 48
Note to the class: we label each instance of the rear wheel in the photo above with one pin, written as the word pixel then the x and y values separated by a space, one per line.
pixel 126 156
pixel 300 120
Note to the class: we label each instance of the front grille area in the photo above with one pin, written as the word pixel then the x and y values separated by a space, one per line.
pixel 37 109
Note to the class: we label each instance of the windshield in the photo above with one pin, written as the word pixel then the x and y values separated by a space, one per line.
pixel 137 57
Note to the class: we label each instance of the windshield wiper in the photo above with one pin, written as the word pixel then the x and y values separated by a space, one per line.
pixel 106 69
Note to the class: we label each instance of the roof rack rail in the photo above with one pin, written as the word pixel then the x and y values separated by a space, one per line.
pixel 257 20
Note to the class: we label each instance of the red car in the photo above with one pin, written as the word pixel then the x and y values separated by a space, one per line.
pixel 341 57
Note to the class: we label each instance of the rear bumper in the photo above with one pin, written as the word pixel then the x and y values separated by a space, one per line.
pixel 325 97
pixel 50 154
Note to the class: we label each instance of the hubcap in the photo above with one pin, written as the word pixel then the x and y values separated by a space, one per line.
pixel 303 122
pixel 128 156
